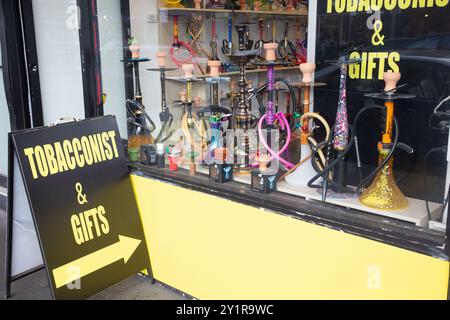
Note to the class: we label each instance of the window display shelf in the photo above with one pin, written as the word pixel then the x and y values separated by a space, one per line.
pixel 416 212
pixel 225 12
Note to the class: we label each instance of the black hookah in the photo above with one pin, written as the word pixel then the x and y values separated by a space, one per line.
pixel 165 116
pixel 339 139
pixel 242 118
pixel 137 116
pixel 339 157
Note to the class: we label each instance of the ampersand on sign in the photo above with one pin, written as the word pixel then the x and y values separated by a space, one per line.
pixel 82 199
pixel 377 38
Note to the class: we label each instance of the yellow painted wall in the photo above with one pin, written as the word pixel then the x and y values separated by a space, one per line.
pixel 213 248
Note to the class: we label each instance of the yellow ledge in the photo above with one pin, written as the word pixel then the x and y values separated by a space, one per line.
pixel 213 248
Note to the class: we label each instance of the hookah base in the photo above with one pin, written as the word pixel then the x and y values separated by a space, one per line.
pixel 221 173
pixel 264 182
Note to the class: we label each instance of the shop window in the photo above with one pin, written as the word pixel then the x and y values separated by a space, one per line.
pixel 137 42
pixel 5 127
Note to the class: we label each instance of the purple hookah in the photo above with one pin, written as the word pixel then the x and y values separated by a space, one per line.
pixel 341 132
pixel 340 141
pixel 270 118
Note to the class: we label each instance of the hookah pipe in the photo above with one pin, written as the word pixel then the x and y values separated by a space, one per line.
pixel 213 42
pixel 178 45
pixel 135 108
pixel 339 141
pixel 442 127
pixel 387 147
pixel 287 49
pixel 227 44
pixel 189 118
pixel 300 46
pixel 300 176
pixel 195 37
pixel 383 192
pixel 268 119
pixel 260 43
pixel 241 113
pixel 218 113
pixel 165 116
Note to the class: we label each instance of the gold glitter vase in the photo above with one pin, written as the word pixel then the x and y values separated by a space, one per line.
pixel 384 193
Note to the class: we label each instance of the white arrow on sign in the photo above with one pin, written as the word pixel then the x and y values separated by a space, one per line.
pixel 123 249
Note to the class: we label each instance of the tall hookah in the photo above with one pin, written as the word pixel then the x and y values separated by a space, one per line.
pixel 340 139
pixel 267 121
pixel 300 175
pixel 139 132
pixel 189 119
pixel 165 117
pixel 241 111
pixel 217 113
pixel 383 192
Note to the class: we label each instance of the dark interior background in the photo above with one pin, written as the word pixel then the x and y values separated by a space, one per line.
pixel 422 37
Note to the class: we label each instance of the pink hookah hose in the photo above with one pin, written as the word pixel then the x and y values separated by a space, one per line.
pixel 270 117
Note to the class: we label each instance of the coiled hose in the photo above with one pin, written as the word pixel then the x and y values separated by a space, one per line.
pixel 324 173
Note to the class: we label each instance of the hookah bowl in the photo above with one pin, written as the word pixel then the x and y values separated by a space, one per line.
pixel 135 50
pixel 197 4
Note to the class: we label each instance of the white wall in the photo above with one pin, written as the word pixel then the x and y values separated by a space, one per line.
pixel 56 25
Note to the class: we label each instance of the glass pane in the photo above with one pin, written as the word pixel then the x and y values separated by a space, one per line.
pixel 111 50
pixel 412 41
pixel 5 127
pixel 56 25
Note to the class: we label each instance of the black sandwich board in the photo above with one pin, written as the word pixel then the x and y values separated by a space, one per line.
pixel 79 219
